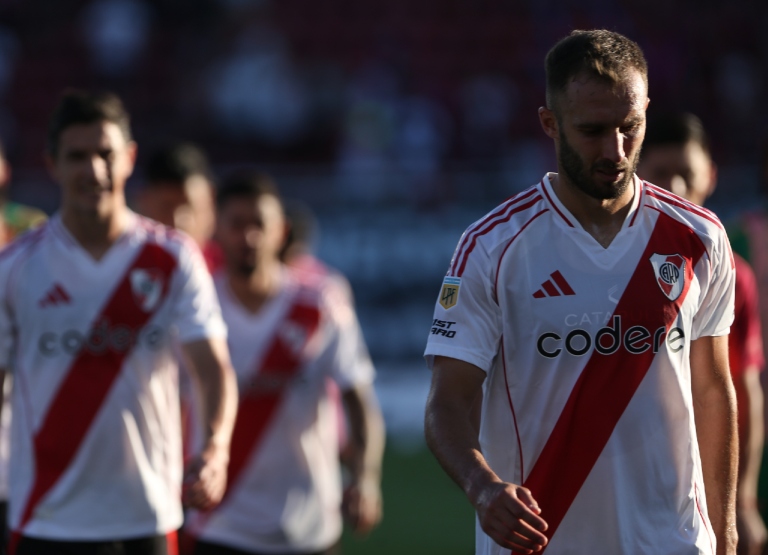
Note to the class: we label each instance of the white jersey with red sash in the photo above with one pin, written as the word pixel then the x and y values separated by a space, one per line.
pixel 284 490
pixel 96 441
pixel 588 396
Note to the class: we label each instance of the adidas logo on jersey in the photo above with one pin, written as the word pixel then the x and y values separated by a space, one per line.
pixel 56 295
pixel 556 286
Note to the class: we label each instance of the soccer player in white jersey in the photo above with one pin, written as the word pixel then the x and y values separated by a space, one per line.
pixel 286 338
pixel 88 304
pixel 676 156
pixel 590 315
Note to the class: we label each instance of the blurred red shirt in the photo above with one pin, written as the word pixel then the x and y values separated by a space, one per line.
pixel 745 343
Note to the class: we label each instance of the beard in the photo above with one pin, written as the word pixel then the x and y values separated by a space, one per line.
pixel 578 174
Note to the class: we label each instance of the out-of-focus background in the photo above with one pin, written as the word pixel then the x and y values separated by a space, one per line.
pixel 398 121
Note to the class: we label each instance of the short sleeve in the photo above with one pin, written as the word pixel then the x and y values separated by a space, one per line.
pixel 467 321
pixel 346 352
pixel 715 314
pixel 9 269
pixel 7 335
pixel 745 343
pixel 196 313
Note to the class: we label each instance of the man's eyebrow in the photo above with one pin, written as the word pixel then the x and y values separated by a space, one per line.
pixel 633 121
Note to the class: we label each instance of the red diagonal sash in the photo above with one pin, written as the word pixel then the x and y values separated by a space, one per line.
pixel 608 382
pixel 92 373
pixel 260 399
pixel 259 403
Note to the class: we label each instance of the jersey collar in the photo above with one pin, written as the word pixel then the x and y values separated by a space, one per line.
pixel 565 217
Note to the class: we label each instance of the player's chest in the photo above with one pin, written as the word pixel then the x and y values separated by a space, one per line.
pixel 560 288
pixel 273 351
pixel 57 291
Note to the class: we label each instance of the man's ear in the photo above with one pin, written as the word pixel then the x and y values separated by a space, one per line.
pixel 548 122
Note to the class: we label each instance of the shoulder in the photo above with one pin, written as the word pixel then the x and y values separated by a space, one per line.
pixel 23 245
pixel 499 226
pixel 702 222
pixel 321 294
pixel 176 243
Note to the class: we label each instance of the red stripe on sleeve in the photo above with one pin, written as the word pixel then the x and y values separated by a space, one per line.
pixel 608 382
pixel 491 225
pixel 477 228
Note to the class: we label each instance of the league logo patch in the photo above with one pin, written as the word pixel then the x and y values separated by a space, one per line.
pixel 147 285
pixel 449 294
pixel 670 274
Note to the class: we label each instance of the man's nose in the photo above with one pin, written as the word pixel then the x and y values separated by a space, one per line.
pixel 613 147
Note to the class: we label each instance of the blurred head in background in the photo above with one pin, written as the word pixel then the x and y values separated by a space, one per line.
pixel 302 231
pixel 178 191
pixel 250 225
pixel 676 157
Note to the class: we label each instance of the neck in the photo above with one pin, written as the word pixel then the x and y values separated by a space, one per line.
pixel 255 289
pixel 602 219
pixel 95 232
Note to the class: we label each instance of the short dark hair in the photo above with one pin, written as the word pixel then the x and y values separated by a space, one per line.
pixel 176 163
pixel 245 184
pixel 80 107
pixel 675 129
pixel 302 226
pixel 603 54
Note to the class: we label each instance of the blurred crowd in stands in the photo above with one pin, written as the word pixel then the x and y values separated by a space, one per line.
pixel 393 100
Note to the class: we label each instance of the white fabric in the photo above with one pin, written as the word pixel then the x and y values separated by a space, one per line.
pixel 288 496
pixel 125 478
pixel 642 494
pixel 5 437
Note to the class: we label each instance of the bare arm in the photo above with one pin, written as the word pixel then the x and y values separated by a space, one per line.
pixel 362 498
pixel 507 512
pixel 209 362
pixel 714 403
pixel 749 395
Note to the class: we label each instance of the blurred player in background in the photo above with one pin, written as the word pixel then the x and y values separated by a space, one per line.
pixel 88 304
pixel 178 191
pixel 749 238
pixel 676 156
pixel 591 313
pixel 287 336
pixel 298 254
pixel 15 219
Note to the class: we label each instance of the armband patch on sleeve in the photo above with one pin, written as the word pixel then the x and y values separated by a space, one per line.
pixel 449 294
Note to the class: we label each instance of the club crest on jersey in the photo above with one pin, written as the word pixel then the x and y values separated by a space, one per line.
pixel 670 274
pixel 147 287
pixel 449 294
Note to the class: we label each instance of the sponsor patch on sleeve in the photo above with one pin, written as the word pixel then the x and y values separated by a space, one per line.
pixel 449 294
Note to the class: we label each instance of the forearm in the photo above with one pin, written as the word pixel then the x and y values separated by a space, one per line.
pixel 217 385
pixel 366 433
pixel 219 397
pixel 716 429
pixel 749 395
pixel 453 439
